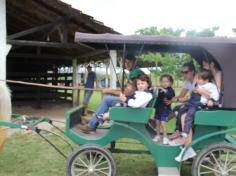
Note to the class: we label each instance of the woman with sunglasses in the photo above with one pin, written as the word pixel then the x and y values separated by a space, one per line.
pixel 189 74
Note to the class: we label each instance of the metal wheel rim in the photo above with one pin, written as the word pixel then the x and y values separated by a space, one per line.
pixel 218 162
pixel 91 163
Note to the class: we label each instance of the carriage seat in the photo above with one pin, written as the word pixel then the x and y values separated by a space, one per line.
pixel 217 117
pixel 135 115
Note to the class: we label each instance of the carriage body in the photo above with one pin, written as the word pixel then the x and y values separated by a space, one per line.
pixel 134 124
pixel 214 126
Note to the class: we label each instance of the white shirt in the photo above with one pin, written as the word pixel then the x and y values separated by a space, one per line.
pixel 189 85
pixel 214 92
pixel 141 100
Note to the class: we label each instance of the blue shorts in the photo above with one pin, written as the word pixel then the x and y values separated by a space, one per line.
pixel 87 95
pixel 162 117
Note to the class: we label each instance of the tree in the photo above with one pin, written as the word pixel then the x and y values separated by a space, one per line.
pixel 234 30
pixel 207 32
pixel 164 62
pixel 163 31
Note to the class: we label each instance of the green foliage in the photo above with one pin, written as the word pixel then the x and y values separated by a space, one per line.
pixel 171 62
pixel 207 32
pixel 163 31
pixel 234 30
pixel 166 63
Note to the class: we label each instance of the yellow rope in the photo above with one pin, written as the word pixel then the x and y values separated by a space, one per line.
pixel 50 86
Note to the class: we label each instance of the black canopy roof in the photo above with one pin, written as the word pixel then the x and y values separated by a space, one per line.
pixel 222 50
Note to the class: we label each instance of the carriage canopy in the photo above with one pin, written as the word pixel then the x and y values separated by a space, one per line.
pixel 222 50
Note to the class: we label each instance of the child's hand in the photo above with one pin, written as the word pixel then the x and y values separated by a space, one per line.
pixel 122 97
pixel 162 89
pixel 196 90
pixel 184 99
pixel 166 101
pixel 210 103
pixel 174 99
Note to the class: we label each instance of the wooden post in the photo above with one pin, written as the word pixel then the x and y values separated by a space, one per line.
pixel 75 83
pixel 5 103
pixel 3 45
pixel 113 63
pixel 107 76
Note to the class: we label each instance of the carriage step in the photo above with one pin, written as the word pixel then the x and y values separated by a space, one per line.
pixel 168 171
pixel 130 151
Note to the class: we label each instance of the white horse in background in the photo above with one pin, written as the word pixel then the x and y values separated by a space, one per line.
pixel 5 111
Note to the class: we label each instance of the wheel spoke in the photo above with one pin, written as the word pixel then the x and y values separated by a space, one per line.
pixel 101 163
pixel 81 173
pixel 86 157
pixel 231 160
pixel 209 161
pixel 95 174
pixel 232 168
pixel 95 157
pixel 90 159
pixel 83 162
pixel 212 169
pixel 77 164
pixel 100 159
pixel 103 168
pixel 226 160
pixel 207 172
pixel 103 172
pixel 80 170
pixel 216 161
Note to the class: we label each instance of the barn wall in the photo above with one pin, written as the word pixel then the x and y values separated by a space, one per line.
pixel 39 72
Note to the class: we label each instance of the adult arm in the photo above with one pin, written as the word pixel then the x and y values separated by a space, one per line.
pixel 97 83
pixel 115 92
pixel 182 96
pixel 96 80
pixel 183 92
pixel 202 92
pixel 214 92
pixel 211 93
pixel 218 80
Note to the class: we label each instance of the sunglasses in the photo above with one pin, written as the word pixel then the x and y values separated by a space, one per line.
pixel 185 72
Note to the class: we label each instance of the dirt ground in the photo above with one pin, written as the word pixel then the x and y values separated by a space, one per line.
pixel 53 110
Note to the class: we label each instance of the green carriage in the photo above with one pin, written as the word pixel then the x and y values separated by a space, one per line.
pixel 214 128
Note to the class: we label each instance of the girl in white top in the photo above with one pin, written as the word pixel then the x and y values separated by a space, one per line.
pixel 141 96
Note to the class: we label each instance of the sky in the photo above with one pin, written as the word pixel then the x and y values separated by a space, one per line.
pixel 127 16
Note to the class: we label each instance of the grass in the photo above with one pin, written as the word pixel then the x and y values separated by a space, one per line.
pixel 94 101
pixel 26 154
pixel 29 155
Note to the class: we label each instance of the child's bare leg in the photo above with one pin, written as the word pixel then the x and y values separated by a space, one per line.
pixel 158 127
pixel 190 136
pixel 183 117
pixel 105 116
pixel 164 128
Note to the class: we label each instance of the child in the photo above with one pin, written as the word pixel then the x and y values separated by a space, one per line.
pixel 163 110
pixel 140 98
pixel 201 94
